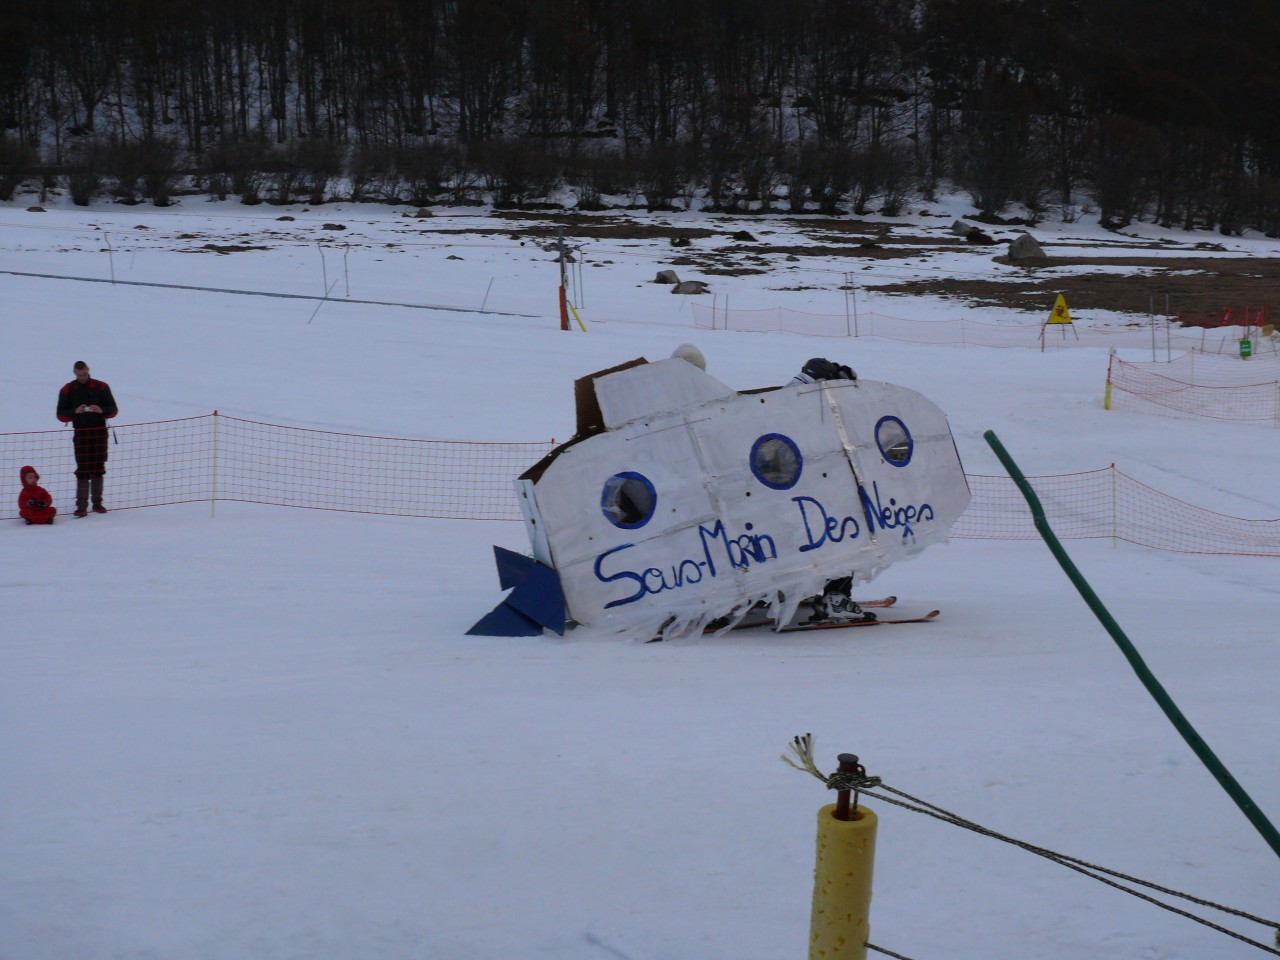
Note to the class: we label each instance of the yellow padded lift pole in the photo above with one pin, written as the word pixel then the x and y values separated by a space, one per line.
pixel 840 923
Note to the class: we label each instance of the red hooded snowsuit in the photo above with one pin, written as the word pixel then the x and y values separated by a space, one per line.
pixel 33 491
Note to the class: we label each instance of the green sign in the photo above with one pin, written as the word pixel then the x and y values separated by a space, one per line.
pixel 1246 349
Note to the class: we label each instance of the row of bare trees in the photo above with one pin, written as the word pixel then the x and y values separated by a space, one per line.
pixel 1146 108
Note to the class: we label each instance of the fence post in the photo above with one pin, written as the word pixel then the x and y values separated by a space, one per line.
pixel 213 488
pixel 1115 522
pixel 111 255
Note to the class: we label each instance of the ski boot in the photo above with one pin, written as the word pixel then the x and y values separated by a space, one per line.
pixel 835 605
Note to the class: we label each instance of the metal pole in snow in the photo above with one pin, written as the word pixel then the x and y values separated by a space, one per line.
pixel 564 311
pixel 213 489
pixel 848 280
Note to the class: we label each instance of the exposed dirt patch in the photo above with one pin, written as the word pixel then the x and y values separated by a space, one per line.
pixel 229 248
pixel 1195 289
pixel 1181 281
pixel 581 227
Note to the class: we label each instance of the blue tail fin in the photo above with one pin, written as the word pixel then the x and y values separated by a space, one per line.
pixel 536 601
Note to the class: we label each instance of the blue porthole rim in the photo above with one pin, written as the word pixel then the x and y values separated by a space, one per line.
pixel 623 476
pixel 911 442
pixel 795 450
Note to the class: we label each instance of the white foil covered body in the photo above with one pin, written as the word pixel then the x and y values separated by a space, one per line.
pixel 681 500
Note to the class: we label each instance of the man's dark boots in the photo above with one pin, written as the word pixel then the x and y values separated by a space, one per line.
pixel 82 497
pixel 95 488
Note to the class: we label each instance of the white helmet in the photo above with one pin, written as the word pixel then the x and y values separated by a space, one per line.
pixel 687 351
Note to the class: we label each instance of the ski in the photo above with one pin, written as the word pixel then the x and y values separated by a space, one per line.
pixel 760 618
pixel 838 624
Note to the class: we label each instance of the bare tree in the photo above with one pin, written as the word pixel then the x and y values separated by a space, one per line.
pixel 372 172
pixel 1122 156
pixel 483 39
pixel 760 168
pixel 424 168
pixel 516 169
pixel 83 178
pixel 84 46
pixel 17 163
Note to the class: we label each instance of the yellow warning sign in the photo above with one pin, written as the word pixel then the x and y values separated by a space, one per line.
pixel 1060 312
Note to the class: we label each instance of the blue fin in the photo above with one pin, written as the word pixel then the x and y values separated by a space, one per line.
pixel 505 621
pixel 540 597
pixel 536 600
pixel 512 566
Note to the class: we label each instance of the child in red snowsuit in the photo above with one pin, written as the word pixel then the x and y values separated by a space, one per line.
pixel 34 503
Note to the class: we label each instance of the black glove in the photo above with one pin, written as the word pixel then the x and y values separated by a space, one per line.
pixel 36 504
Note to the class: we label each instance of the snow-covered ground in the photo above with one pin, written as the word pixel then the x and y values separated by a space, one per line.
pixel 267 735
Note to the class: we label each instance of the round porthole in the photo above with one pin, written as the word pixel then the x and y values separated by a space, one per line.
pixel 776 461
pixel 894 440
pixel 628 500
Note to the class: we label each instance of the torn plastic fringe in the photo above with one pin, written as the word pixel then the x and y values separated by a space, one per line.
pixel 783 599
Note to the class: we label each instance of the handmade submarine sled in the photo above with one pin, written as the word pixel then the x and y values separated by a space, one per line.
pixel 681 504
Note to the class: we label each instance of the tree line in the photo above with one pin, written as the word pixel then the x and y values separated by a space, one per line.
pixel 1140 109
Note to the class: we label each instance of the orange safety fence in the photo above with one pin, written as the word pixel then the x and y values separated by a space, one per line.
pixel 1195 385
pixel 1108 504
pixel 1145 335
pixel 219 458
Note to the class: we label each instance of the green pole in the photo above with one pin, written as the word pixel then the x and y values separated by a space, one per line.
pixel 1180 722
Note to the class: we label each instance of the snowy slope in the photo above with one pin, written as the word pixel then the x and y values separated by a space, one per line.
pixel 265 734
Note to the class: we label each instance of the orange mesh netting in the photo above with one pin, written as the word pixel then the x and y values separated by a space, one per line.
pixel 294 467
pixel 1107 503
pixel 1079 506
pixel 1199 386
pixel 219 458
pixel 148 464
pixel 969 332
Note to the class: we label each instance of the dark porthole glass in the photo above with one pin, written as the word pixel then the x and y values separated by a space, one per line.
pixel 894 440
pixel 628 500
pixel 776 461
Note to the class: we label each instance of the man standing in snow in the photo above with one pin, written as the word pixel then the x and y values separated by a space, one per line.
pixel 87 405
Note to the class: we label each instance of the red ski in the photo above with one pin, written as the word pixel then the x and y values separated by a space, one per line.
pixel 839 624
pixel 759 618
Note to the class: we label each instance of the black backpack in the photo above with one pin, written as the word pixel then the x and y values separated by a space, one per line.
pixel 821 368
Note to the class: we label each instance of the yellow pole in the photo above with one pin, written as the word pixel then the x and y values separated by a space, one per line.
pixel 1111 362
pixel 839 927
